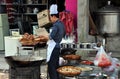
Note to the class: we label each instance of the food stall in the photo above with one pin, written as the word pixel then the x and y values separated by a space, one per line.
pixel 21 65
pixel 84 68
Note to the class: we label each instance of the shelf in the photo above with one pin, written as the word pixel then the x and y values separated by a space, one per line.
pixel 17 14
pixel 86 49
pixel 81 46
pixel 11 23
pixel 34 23
pixel 24 11
pixel 35 14
pixel 33 4
pixel 15 4
pixel 30 14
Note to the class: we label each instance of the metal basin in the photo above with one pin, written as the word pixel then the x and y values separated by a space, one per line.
pixel 24 61
pixel 67 51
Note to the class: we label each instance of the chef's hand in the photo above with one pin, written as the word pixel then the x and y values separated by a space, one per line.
pixel 44 37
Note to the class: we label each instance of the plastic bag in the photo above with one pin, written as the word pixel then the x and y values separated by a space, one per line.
pixel 113 66
pixel 112 70
pixel 102 59
pixel 62 61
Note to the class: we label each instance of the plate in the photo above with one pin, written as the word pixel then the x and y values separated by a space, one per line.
pixel 86 62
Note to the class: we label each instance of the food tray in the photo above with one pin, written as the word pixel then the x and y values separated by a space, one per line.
pixel 69 71
pixel 72 57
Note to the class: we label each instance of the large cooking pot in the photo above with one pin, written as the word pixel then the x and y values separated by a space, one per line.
pixel 24 61
pixel 108 20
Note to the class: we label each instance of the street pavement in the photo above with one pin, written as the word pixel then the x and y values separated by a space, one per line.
pixel 3 63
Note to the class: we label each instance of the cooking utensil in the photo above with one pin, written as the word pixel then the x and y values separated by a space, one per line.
pixel 24 61
pixel 108 20
pixel 67 51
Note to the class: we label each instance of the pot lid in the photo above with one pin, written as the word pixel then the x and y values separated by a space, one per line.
pixel 109 8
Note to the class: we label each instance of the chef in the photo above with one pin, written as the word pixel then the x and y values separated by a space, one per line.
pixel 57 32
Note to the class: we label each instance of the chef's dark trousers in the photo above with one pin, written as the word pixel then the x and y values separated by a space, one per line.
pixel 53 64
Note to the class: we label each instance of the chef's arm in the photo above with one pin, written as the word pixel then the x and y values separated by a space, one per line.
pixel 52 34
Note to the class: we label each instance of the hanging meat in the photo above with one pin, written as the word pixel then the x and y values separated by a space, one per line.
pixel 67 18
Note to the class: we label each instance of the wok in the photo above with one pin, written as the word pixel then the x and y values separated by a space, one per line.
pixel 24 61
pixel 67 51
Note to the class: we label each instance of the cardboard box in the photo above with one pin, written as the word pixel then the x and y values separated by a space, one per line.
pixel 43 18
pixel 4 76
pixel 41 31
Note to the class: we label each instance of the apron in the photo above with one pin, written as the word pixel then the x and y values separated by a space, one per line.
pixel 51 45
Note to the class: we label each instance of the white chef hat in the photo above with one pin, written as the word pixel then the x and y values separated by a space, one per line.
pixel 53 9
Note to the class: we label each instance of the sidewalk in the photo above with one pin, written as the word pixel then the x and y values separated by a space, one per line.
pixel 3 66
pixel 3 63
